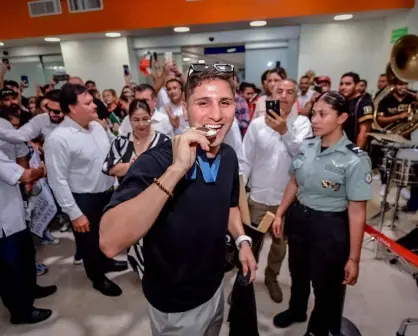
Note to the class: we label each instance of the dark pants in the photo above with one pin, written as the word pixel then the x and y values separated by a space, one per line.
pixel 95 262
pixel 18 273
pixel 413 201
pixel 319 247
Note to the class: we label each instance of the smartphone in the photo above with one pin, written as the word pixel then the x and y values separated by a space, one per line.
pixel 6 60
pixel 318 88
pixel 60 78
pixel 25 80
pixel 126 71
pixel 168 56
pixel 273 105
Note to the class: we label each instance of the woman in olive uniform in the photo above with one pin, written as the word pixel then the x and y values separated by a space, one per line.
pixel 325 207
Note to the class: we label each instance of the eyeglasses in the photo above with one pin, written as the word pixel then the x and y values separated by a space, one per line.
pixel 198 67
pixel 52 110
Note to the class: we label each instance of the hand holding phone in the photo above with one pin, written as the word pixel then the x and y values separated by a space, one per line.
pixel 25 81
pixel 126 71
pixel 273 108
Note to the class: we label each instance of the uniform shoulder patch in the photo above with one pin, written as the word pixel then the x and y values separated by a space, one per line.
pixel 356 150
pixel 367 110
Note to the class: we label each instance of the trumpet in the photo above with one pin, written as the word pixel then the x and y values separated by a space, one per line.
pixel 403 65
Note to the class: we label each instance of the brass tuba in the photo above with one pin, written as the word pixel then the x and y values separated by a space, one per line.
pixel 403 65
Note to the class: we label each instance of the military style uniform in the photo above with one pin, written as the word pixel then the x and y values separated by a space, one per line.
pixel 360 110
pixel 317 226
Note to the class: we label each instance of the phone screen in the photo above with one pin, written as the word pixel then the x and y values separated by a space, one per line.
pixel 126 70
pixel 273 105
pixel 25 80
pixel 168 57
pixel 60 78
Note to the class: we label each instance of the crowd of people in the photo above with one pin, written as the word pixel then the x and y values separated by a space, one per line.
pixel 155 173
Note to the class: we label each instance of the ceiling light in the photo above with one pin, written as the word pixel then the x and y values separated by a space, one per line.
pixel 186 59
pixel 258 23
pixel 52 39
pixel 231 50
pixel 269 64
pixel 201 61
pixel 181 29
pixel 1 44
pixel 343 17
pixel 113 34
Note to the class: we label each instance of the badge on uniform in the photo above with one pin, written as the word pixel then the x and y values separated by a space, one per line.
pixel 367 110
pixel 368 178
pixel 327 184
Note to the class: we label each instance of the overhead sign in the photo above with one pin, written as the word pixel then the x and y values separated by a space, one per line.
pixel 398 33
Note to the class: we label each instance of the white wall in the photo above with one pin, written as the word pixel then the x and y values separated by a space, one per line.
pixel 31 68
pixel 100 60
pixel 334 48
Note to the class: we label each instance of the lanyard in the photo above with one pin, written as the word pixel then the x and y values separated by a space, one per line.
pixel 209 172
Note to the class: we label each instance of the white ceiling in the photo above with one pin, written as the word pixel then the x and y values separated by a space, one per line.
pixel 203 28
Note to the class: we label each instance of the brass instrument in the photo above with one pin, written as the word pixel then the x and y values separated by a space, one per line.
pixel 403 65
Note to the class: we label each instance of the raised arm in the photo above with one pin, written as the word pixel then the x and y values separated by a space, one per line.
pixel 27 132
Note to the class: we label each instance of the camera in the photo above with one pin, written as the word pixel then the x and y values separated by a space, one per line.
pixel 211 39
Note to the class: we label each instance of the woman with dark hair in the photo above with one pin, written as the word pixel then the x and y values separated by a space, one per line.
pixel 325 209
pixel 125 149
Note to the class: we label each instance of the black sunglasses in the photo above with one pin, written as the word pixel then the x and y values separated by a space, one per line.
pixel 199 67
pixel 52 110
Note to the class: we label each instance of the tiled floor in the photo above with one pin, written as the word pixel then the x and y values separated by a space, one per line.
pixel 377 304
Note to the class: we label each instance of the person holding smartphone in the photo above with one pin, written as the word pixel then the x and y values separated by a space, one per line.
pixel 270 145
pixel 324 206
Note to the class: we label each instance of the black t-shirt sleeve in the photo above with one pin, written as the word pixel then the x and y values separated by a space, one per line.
pixel 235 185
pixel 365 109
pixel 383 107
pixel 151 164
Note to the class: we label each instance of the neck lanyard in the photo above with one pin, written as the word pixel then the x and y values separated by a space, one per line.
pixel 209 172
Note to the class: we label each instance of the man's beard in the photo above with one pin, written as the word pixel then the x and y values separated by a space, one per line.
pixel 56 121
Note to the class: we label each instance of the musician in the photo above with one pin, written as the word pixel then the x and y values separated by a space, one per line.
pixel 382 83
pixel 325 208
pixel 360 110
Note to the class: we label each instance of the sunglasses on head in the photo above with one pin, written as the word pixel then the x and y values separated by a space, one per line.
pixel 199 67
pixel 52 110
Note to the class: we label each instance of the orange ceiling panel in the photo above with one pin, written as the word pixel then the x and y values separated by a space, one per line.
pixel 116 15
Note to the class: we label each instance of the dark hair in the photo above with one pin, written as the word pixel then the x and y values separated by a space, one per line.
pixel 11 111
pixel 144 87
pixel 383 75
pixel 364 81
pixel 124 98
pixel 138 104
pixel 264 75
pixel 197 78
pixel 39 101
pixel 245 85
pixel 69 95
pixel 90 82
pixel 44 88
pixel 305 77
pixel 175 80
pixel 279 71
pixel 53 95
pixel 336 100
pixel 93 92
pixel 11 83
pixel 353 75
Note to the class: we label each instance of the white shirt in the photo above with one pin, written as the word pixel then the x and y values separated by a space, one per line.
pixel 267 156
pixel 159 123
pixel 234 139
pixel 303 100
pixel 74 158
pixel 40 124
pixel 12 214
pixel 162 98
pixel 11 151
pixel 178 112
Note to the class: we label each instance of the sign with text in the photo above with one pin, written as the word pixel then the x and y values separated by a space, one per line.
pixel 398 33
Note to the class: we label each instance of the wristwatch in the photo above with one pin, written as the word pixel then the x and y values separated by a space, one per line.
pixel 241 239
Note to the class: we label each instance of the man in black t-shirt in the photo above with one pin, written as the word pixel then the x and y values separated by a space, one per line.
pixel 182 197
pixel 360 110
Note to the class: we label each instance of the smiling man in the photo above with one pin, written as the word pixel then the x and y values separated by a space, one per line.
pixel 182 197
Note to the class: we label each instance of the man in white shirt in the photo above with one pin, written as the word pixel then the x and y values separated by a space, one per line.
pixel 74 155
pixel 18 287
pixel 269 147
pixel 159 121
pixel 305 93
pixel 42 124
pixel 175 109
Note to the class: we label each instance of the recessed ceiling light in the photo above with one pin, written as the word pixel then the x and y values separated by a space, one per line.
pixel 113 34
pixel 201 61
pixel 258 23
pixel 181 29
pixel 1 44
pixel 52 39
pixel 343 17
pixel 186 59
pixel 269 64
pixel 231 50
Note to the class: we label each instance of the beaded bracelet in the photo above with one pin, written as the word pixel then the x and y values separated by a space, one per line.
pixel 158 183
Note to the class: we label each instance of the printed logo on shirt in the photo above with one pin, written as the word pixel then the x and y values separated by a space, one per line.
pixel 338 170
pixel 367 110
pixel 328 184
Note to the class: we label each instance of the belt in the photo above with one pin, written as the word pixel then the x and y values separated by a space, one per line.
pixel 312 212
